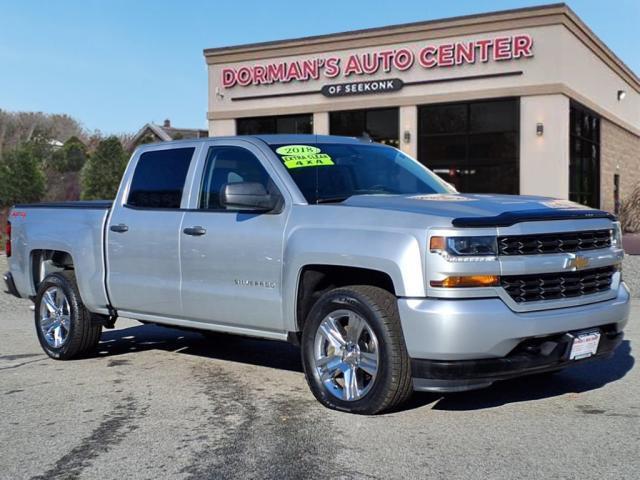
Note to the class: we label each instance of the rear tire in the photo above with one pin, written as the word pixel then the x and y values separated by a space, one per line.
pixel 353 351
pixel 65 328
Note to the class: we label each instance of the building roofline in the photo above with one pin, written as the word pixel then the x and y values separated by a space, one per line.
pixel 603 46
pixel 551 14
pixel 377 30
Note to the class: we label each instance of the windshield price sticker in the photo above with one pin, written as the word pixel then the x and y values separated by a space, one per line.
pixel 287 150
pixel 313 160
pixel 297 156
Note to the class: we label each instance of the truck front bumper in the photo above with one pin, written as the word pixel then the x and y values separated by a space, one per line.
pixel 466 344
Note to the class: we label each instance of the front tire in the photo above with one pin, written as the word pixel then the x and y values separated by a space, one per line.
pixel 353 351
pixel 64 326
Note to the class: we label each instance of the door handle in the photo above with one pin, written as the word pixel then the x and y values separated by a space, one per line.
pixel 195 231
pixel 121 228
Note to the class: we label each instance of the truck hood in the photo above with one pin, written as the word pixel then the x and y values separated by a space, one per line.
pixel 469 210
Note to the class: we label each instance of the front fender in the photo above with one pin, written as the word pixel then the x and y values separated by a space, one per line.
pixel 397 254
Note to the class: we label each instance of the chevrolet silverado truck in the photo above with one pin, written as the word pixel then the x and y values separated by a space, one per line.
pixel 388 279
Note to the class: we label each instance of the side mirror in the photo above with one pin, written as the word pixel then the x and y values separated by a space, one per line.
pixel 247 196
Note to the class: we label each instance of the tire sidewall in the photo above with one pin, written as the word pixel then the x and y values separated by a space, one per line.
pixel 344 299
pixel 61 282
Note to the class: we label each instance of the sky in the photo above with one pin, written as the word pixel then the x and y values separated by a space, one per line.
pixel 116 65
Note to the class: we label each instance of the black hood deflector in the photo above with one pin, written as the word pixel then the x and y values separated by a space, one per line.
pixel 507 219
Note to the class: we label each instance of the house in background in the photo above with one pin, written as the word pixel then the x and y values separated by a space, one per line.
pixel 152 133
pixel 55 144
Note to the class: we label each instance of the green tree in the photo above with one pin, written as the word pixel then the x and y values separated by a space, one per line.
pixel 21 177
pixel 71 157
pixel 103 170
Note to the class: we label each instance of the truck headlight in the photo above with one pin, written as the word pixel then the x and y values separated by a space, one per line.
pixel 465 249
pixel 616 235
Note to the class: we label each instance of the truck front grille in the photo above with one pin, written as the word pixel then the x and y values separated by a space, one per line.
pixel 554 242
pixel 553 286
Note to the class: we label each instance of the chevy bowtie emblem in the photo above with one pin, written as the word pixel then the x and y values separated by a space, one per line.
pixel 576 263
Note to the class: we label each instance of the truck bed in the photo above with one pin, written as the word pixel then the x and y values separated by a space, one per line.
pixel 76 228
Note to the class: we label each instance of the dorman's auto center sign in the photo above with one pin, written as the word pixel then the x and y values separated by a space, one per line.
pixel 429 56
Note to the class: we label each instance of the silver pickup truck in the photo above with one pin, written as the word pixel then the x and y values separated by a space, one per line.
pixel 388 279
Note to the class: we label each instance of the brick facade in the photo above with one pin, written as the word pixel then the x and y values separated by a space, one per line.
pixel 619 153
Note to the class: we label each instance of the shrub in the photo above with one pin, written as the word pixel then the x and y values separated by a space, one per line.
pixel 630 212
pixel 21 177
pixel 102 173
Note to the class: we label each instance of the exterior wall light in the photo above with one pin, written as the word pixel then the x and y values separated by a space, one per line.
pixel 621 95
pixel 407 136
pixel 539 129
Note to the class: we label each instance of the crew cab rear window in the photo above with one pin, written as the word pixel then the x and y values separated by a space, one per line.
pixel 159 177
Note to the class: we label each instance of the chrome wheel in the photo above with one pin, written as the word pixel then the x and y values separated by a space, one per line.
pixel 55 317
pixel 346 355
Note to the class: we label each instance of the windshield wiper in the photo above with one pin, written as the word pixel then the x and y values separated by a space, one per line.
pixel 375 191
pixel 332 199
pixel 339 199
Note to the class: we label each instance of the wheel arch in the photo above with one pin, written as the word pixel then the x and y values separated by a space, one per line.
pixel 316 279
pixel 42 262
pixel 393 259
pixel 89 277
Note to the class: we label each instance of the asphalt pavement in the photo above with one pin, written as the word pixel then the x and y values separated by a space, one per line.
pixel 160 403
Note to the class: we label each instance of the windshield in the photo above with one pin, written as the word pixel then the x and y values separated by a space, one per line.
pixel 333 172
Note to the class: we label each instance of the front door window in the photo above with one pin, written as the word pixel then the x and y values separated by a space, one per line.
pixel 230 164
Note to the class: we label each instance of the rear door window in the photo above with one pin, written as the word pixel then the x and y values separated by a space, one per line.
pixel 159 178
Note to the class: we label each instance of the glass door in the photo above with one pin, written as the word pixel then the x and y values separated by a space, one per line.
pixel 472 145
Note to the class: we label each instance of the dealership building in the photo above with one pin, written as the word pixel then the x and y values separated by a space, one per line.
pixel 525 101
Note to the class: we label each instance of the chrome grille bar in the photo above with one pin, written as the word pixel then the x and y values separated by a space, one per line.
pixel 567 242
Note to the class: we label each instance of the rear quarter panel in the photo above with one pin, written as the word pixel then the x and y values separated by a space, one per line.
pixel 78 232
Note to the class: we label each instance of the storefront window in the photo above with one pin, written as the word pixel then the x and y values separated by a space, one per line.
pixel 381 125
pixel 473 146
pixel 584 156
pixel 279 124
